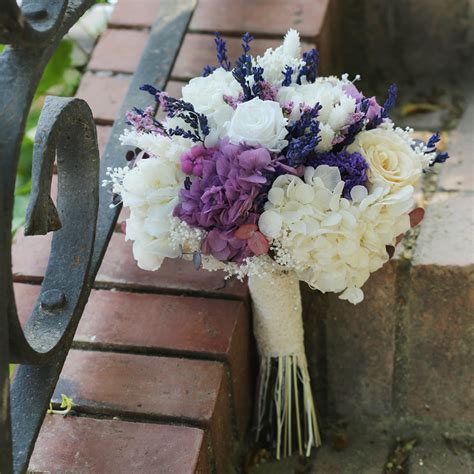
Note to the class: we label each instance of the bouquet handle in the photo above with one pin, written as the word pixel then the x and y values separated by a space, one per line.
pixel 285 407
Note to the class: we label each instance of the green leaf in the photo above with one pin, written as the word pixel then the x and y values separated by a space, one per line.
pixel 66 404
pixel 54 72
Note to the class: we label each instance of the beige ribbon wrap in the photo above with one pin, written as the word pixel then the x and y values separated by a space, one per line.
pixel 278 328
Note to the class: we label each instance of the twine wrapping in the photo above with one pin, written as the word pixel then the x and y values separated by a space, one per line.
pixel 284 392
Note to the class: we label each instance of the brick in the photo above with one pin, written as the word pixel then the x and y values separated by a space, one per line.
pixel 447 232
pixel 90 445
pixel 25 297
pixel 439 376
pixel 173 88
pixel 175 324
pixel 457 174
pixel 199 50
pixel 359 347
pixel 103 135
pixel 166 324
pixel 135 13
pixel 161 388
pixel 263 17
pixel 104 94
pixel 119 270
pixel 118 51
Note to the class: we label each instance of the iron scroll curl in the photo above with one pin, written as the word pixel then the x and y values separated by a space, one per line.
pixel 66 131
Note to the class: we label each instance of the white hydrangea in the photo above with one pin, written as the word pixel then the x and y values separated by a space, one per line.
pixel 333 243
pixel 151 190
pixel 207 96
pixel 275 60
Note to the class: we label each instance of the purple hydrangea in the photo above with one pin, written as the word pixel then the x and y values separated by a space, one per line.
pixel 352 166
pixel 221 196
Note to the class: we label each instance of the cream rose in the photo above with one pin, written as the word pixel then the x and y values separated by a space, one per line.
pixel 258 122
pixel 391 159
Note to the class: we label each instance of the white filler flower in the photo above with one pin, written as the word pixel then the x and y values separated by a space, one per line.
pixel 259 123
pixel 151 190
pixel 275 60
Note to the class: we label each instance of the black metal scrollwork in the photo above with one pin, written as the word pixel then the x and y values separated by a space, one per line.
pixel 66 130
pixel 66 133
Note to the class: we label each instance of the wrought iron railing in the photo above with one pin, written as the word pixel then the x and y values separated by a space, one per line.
pixel 82 222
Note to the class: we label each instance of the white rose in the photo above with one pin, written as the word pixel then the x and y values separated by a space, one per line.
pixel 391 159
pixel 258 122
pixel 207 96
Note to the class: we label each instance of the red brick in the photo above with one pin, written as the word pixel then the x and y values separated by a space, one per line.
pixel 71 444
pixel 135 13
pixel 173 88
pixel 103 135
pixel 104 94
pixel 216 328
pixel 175 324
pixel 119 269
pixel 161 388
pixel 25 297
pixel 268 17
pixel 118 51
pixel 199 50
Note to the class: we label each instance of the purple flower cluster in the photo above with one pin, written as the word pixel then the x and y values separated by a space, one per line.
pixel 373 108
pixel 221 196
pixel 352 166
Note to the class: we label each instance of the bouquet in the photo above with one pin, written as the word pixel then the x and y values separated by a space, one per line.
pixel 267 171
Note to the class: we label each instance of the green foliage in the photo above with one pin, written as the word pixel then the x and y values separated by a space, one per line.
pixel 59 78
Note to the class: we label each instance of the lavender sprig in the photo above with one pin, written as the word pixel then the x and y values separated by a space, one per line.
pixel 288 74
pixel 387 107
pixel 144 120
pixel 184 110
pixel 221 50
pixel 208 70
pixel 243 68
pixel 354 128
pixel 440 157
pixel 303 137
pixel 310 68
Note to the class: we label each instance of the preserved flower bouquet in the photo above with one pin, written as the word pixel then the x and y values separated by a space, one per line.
pixel 267 171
